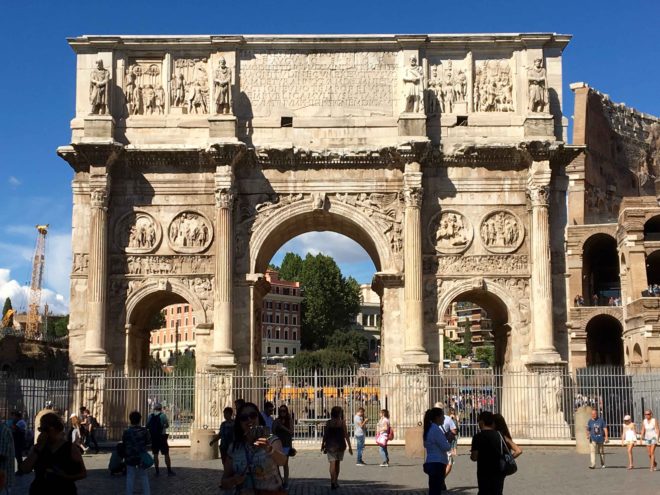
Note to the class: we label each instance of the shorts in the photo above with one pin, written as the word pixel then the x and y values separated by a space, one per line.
pixel 336 456
pixel 159 444
pixel 650 441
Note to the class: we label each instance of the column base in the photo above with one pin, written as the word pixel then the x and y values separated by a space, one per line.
pixel 415 358
pixel 545 357
pixel 94 358
pixel 221 360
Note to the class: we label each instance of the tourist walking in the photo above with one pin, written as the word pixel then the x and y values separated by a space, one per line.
pixel 6 458
pixel 254 456
pixel 383 434
pixel 335 441
pixel 90 424
pixel 57 463
pixel 450 430
pixel 225 434
pixel 650 432
pixel 75 435
pixel 437 446
pixel 136 439
pixel 283 429
pixel 629 438
pixel 502 428
pixel 359 426
pixel 157 424
pixel 486 451
pixel 598 436
pixel 19 433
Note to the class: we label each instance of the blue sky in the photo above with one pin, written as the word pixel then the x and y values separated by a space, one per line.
pixel 614 49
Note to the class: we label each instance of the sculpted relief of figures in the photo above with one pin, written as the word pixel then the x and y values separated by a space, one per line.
pixel 502 232
pixel 189 85
pixel 161 265
pixel 138 233
pixel 413 79
pixel 98 89
pixel 80 263
pixel 537 87
pixel 143 88
pixel 447 87
pixel 493 86
pixel 450 232
pixel 518 264
pixel 189 232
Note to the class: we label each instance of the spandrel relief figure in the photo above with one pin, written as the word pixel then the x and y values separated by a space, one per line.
pixel 433 93
pixel 179 91
pixel 446 94
pixel 129 93
pixel 98 89
pixel 501 232
pixel 222 83
pixel 195 100
pixel 414 87
pixel 149 100
pixel 538 87
pixel 160 100
pixel 189 232
pixel 493 88
pixel 138 233
pixel 451 231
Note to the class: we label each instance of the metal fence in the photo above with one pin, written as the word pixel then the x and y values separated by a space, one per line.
pixel 538 405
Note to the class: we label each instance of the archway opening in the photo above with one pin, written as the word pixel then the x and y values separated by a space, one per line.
pixel 637 357
pixel 601 284
pixel 652 229
pixel 604 341
pixel 478 325
pixel 653 270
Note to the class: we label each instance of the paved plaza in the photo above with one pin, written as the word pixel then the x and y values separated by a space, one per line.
pixel 541 471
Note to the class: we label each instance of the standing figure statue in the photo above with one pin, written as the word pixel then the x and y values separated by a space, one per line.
pixel 179 92
pixel 98 89
pixel 538 88
pixel 414 81
pixel 222 83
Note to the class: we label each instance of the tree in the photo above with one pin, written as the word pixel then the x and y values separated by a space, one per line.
pixel 60 325
pixel 452 349
pixel 184 363
pixel 319 360
pixel 7 306
pixel 156 321
pixel 467 336
pixel 292 267
pixel 486 354
pixel 330 301
pixel 352 342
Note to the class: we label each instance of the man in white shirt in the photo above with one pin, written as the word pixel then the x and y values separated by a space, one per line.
pixel 359 424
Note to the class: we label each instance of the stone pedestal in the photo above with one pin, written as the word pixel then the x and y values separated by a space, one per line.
pixel 222 127
pixel 200 450
pixel 412 124
pixel 539 124
pixel 98 128
pixel 582 417
pixel 415 442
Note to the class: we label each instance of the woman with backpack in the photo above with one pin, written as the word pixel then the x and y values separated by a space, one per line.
pixel 136 439
pixel 437 446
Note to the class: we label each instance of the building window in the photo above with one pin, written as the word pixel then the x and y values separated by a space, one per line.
pixel 277 318
pixel 278 305
pixel 295 320
pixel 277 334
pixel 294 351
pixel 185 309
pixel 178 310
pixel 268 350
pixel 286 320
pixel 286 306
pixel 295 335
pixel 194 322
pixel 286 350
pixel 171 323
pixel 178 323
pixel 171 338
pixel 294 307
pixel 277 290
pixel 277 350
pixel 172 311
pixel 286 335
pixel 185 321
pixel 285 291
pixel 269 333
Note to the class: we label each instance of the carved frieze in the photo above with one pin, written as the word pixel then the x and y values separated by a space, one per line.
pixel 189 85
pixel 450 232
pixel 312 83
pixel 189 232
pixel 493 86
pixel 161 265
pixel 483 264
pixel 137 232
pixel 144 93
pixel 447 88
pixel 80 264
pixel 502 232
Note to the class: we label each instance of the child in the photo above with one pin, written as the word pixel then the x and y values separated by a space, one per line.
pixel 226 434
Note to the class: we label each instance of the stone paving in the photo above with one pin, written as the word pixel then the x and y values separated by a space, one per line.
pixel 541 472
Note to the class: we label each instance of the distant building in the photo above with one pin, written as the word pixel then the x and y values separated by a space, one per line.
pixel 281 318
pixel 368 319
pixel 177 334
pixel 480 324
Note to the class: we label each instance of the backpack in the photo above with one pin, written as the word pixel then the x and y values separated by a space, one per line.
pixel 390 434
pixel 155 425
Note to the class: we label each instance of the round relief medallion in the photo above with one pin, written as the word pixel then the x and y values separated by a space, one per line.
pixel 189 232
pixel 137 232
pixel 450 232
pixel 502 232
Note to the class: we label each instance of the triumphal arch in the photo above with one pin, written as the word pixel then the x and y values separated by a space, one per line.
pixel 197 157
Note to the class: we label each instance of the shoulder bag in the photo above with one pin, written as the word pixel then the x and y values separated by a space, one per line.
pixel 508 464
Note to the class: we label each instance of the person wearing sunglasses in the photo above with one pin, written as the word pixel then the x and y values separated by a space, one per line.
pixel 57 462
pixel 254 457
pixel 650 436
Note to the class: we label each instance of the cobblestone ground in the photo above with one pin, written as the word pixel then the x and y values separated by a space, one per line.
pixel 541 472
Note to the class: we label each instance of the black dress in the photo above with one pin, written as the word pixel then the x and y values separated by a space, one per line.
pixel 46 482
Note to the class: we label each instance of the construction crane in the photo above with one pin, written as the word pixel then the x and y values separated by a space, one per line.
pixel 38 262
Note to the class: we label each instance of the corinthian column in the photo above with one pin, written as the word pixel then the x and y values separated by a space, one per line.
pixel 414 352
pixel 95 354
pixel 223 352
pixel 538 189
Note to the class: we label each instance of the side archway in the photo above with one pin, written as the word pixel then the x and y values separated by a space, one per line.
pixel 604 341
pixel 600 269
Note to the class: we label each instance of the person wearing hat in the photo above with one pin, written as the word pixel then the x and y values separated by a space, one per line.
pixel 629 437
pixel 157 424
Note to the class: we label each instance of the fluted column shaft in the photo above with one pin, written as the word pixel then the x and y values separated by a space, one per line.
pixel 414 350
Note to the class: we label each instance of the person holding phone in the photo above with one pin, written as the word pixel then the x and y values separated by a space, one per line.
pixel 254 457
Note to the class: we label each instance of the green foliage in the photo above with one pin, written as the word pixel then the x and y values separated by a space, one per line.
pixel 452 349
pixel 273 267
pixel 292 267
pixel 321 359
pixel 184 364
pixel 156 321
pixel 7 306
pixel 467 337
pixel 154 364
pixel 486 354
pixel 351 342
pixel 331 302
pixel 59 325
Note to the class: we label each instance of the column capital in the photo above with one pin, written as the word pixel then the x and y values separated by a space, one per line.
pixel 413 196
pixel 224 186
pixel 538 182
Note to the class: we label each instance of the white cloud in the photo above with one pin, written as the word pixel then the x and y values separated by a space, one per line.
pixel 14 182
pixel 343 249
pixel 20 295
pixel 58 262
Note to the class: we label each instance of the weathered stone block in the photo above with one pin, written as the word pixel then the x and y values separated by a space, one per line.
pixel 412 124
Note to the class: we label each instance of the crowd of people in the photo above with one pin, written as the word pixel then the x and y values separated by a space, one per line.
pixel 597 300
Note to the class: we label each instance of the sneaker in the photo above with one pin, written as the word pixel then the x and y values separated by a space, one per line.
pixel 360 463
pixel 592 467
pixel 384 464
pixel 603 466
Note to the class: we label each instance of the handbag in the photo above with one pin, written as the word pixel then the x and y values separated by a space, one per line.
pixel 292 452
pixel 508 464
pixel 382 438
pixel 390 434
pixel 146 460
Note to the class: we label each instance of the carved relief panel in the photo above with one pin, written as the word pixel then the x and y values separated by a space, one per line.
pixel 189 86
pixel 493 86
pixel 450 232
pixel 144 87
pixel 448 86
pixel 189 232
pixel 137 232
pixel 501 232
